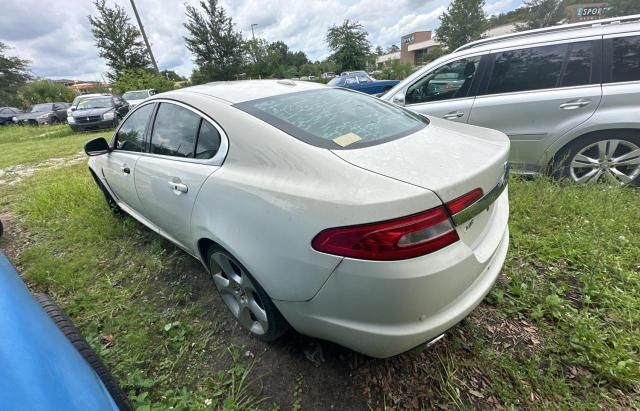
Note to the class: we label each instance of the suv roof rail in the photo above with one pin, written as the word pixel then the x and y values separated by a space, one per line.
pixel 552 29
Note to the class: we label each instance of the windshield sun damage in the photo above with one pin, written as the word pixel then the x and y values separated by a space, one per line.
pixel 335 118
pixel 99 102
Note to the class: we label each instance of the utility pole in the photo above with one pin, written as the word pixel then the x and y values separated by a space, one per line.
pixel 252 33
pixel 144 36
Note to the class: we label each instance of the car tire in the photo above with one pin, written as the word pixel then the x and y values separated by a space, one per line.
pixel 239 291
pixel 1 228
pixel 111 202
pixel 586 153
pixel 54 121
pixel 64 323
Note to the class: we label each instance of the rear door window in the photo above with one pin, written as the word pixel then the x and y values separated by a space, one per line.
pixel 208 141
pixel 174 131
pixel 131 134
pixel 537 68
pixel 626 59
pixel 335 118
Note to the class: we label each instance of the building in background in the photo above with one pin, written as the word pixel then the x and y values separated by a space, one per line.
pixel 414 48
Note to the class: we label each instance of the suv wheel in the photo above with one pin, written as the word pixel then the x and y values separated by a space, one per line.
pixel 244 297
pixel 612 156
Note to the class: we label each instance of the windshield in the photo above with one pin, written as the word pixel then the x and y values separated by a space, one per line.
pixel 335 118
pixel 135 95
pixel 337 81
pixel 39 108
pixel 96 102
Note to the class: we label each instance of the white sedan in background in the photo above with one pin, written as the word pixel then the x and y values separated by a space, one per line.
pixel 135 97
pixel 344 216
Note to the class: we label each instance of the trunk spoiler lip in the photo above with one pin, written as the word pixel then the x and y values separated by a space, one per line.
pixel 484 202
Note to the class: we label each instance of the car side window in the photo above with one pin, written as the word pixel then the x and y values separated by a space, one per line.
pixel 4 111
pixel 362 78
pixel 130 136
pixel 208 141
pixel 350 80
pixel 453 80
pixel 545 67
pixel 174 131
pixel 626 59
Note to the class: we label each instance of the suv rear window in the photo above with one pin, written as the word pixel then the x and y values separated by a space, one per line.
pixel 335 118
pixel 626 59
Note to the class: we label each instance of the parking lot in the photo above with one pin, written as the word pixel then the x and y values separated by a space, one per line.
pixel 559 329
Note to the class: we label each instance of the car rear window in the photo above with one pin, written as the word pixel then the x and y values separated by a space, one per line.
pixel 335 118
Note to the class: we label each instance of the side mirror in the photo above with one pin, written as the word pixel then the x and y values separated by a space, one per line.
pixel 96 147
pixel 399 99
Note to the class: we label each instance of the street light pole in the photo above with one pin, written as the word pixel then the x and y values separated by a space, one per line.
pixel 144 36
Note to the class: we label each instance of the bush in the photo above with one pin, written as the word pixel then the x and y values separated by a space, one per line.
pixel 141 79
pixel 45 91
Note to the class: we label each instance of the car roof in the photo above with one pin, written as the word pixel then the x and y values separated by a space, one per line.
pixel 554 33
pixel 234 92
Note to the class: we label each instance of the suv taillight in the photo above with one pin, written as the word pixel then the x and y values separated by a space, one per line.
pixel 397 239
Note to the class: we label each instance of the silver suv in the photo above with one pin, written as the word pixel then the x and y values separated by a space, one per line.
pixel 568 96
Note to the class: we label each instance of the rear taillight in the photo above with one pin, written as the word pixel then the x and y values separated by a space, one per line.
pixel 397 239
pixel 464 201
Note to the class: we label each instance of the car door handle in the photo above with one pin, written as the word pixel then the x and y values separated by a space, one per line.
pixel 125 169
pixel 177 186
pixel 574 104
pixel 453 114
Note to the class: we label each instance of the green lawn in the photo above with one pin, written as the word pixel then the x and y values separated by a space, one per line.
pixel 31 145
pixel 560 330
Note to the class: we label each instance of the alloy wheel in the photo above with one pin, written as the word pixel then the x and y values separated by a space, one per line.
pixel 615 161
pixel 239 294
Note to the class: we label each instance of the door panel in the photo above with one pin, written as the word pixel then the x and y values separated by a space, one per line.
pixel 454 110
pixel 534 119
pixel 119 168
pixel 168 189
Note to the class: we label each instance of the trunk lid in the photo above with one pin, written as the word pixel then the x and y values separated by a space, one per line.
pixel 447 158
pixel 450 159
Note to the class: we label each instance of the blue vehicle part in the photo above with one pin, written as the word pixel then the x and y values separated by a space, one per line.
pixel 39 367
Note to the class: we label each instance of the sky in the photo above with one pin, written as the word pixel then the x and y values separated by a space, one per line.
pixel 56 36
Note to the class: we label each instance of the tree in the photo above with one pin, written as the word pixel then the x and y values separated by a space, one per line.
pixel 541 13
pixel 141 79
pixel 217 47
pixel 45 91
pixel 379 51
pixel 623 8
pixel 172 75
pixel 349 44
pixel 14 73
pixel 118 41
pixel 462 22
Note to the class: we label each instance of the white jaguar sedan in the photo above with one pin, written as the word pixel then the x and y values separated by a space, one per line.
pixel 341 215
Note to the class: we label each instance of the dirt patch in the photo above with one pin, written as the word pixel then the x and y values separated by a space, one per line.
pixel 14 174
pixel 507 334
pixel 14 238
pixel 294 371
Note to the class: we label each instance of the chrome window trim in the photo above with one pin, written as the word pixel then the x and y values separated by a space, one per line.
pixel 623 34
pixel 216 160
pixel 541 90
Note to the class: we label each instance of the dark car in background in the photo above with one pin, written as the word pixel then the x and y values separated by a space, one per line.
pixel 96 113
pixel 44 113
pixel 7 114
pixel 361 81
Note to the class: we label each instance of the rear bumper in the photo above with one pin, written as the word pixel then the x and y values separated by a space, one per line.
pixel 383 309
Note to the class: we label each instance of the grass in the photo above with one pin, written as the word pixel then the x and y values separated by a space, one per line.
pixel 561 330
pixel 30 145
